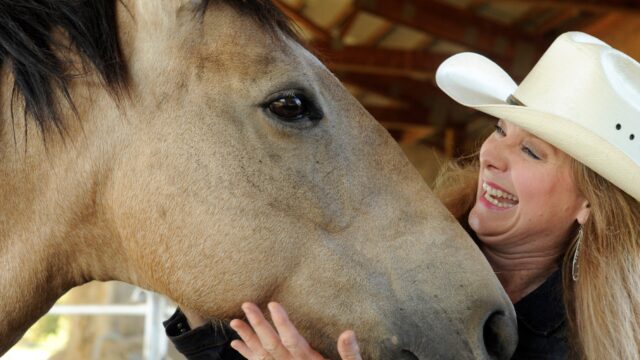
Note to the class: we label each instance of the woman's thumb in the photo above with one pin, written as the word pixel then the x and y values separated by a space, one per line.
pixel 348 346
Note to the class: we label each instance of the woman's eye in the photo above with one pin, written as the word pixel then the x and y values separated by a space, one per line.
pixel 499 130
pixel 530 152
pixel 291 108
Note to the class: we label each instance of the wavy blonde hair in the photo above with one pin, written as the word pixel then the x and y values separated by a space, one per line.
pixel 603 306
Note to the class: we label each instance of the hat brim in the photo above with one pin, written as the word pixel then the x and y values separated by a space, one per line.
pixel 466 86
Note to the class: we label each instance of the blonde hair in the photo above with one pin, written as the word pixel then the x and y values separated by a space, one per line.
pixel 456 185
pixel 603 306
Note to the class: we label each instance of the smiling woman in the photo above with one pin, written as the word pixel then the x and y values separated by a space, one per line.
pixel 554 195
pixel 548 201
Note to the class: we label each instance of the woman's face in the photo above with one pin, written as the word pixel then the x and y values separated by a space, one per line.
pixel 526 198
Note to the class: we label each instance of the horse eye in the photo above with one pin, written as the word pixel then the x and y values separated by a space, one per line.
pixel 290 107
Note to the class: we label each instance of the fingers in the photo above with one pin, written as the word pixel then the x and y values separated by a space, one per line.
pixel 242 348
pixel 260 341
pixel 348 346
pixel 297 346
pixel 250 346
pixel 268 337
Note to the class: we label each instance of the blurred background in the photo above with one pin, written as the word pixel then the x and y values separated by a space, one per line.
pixel 386 53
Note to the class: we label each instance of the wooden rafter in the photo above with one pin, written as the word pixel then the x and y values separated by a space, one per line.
pixel 529 19
pixel 402 118
pixel 380 32
pixel 601 25
pixel 343 16
pixel 583 19
pixel 348 22
pixel 561 16
pixel 593 5
pixel 394 61
pixel 422 93
pixel 396 74
pixel 413 136
pixel 318 33
pixel 453 24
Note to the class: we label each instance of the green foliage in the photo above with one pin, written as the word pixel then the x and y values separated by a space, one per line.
pixel 47 325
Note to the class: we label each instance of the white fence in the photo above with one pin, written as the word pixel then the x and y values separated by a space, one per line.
pixel 155 309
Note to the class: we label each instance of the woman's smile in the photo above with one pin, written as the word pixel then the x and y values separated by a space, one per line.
pixel 496 198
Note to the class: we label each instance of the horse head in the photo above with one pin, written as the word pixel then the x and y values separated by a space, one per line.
pixel 198 149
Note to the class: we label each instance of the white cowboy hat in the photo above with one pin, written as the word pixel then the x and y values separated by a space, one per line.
pixel 582 96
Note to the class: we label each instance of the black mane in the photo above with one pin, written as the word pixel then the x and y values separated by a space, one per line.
pixel 28 48
pixel 32 54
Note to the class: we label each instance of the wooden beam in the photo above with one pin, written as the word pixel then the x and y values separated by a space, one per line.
pixel 318 33
pixel 408 125
pixel 529 20
pixel 379 33
pixel 452 141
pixel 560 17
pixel 400 88
pixel 454 24
pixel 593 5
pixel 402 118
pixel 415 93
pixel 347 23
pixel 413 136
pixel 422 62
pixel 603 24
pixel 343 16
pixel 618 30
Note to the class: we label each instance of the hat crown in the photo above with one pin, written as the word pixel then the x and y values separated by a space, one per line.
pixel 584 80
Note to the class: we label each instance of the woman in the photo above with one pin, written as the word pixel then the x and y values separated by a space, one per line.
pixel 553 203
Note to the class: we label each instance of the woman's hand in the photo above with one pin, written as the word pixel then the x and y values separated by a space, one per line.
pixel 261 342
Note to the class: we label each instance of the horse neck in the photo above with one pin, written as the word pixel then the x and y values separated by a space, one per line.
pixel 31 281
pixel 54 230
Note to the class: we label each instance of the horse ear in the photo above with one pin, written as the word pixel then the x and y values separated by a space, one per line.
pixel 165 13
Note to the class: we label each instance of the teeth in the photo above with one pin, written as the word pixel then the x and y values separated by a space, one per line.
pixel 496 202
pixel 491 194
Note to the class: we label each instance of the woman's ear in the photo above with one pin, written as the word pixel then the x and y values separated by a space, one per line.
pixel 583 213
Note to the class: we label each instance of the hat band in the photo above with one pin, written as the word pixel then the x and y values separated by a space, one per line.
pixel 512 100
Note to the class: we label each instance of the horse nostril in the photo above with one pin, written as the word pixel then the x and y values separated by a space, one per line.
pixel 496 334
pixel 408 355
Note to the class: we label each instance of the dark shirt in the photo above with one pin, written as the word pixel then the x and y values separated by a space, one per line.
pixel 542 322
pixel 211 341
pixel 541 329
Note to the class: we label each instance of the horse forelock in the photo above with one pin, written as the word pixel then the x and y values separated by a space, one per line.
pixel 40 70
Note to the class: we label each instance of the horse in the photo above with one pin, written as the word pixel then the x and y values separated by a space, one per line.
pixel 198 149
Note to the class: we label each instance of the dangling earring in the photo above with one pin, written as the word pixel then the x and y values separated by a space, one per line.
pixel 575 267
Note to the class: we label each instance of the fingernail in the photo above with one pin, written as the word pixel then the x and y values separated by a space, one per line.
pixel 351 340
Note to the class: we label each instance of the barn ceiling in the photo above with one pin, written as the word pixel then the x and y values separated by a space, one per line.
pixel 386 51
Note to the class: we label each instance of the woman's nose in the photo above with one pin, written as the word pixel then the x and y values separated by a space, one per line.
pixel 493 155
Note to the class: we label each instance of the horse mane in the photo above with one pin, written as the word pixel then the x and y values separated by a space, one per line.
pixel 33 54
